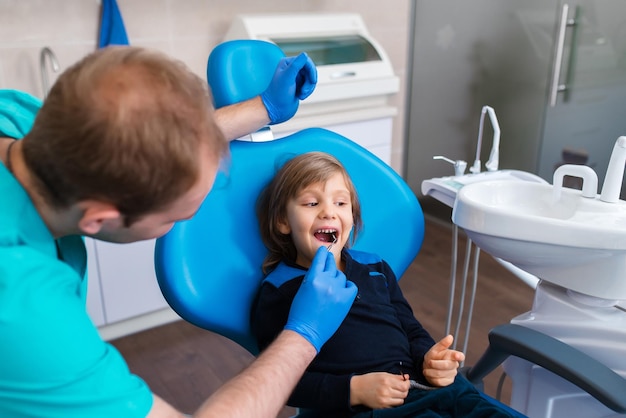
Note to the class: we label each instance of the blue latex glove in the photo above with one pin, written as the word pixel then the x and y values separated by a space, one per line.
pixel 294 80
pixel 322 302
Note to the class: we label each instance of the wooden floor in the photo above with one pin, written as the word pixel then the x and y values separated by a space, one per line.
pixel 184 364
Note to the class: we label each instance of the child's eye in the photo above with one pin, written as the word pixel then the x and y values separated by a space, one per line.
pixel 310 204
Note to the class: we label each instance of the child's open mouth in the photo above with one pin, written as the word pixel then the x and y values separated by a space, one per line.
pixel 327 235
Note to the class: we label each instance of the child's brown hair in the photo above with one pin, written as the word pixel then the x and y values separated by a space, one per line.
pixel 296 174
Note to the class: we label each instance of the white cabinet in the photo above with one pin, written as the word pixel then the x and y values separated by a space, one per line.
pixel 128 282
pixel 95 306
pixel 123 295
pixel 374 134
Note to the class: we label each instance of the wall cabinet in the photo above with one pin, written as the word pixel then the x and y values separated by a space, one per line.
pixel 95 304
pixel 374 134
pixel 123 295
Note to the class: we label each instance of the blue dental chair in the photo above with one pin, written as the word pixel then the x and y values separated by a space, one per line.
pixel 209 267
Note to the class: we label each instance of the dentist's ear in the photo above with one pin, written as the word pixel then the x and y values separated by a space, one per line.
pixel 96 214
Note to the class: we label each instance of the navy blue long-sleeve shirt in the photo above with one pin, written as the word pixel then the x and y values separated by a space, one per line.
pixel 379 334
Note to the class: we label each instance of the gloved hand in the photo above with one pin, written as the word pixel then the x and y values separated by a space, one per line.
pixel 294 80
pixel 322 302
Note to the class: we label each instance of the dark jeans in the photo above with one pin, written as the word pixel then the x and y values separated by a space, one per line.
pixel 459 399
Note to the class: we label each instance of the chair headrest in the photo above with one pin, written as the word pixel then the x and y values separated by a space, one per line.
pixel 241 69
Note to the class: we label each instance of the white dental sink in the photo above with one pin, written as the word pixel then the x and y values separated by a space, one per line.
pixel 570 240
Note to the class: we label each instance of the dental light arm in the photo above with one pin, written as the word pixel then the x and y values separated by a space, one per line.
pixel 567 362
pixel 494 155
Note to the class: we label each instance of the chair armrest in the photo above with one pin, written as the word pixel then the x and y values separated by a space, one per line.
pixel 543 350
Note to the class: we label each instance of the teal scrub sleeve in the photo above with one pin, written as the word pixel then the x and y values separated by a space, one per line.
pixel 53 362
pixel 17 112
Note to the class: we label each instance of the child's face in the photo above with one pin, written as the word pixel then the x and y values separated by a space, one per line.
pixel 315 214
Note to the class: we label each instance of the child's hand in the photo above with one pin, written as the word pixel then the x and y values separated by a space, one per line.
pixel 379 390
pixel 441 363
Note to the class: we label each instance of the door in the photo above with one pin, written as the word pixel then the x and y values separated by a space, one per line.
pixel 587 94
pixel 466 55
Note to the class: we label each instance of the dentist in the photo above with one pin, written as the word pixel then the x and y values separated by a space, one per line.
pixel 125 145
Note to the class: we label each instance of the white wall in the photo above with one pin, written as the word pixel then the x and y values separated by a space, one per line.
pixel 185 29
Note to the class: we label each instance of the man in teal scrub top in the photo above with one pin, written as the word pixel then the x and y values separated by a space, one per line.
pixel 125 145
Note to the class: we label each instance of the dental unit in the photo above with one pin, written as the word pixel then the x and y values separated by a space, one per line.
pixel 494 155
pixel 568 244
pixel 445 189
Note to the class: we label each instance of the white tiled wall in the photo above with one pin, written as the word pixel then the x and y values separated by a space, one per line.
pixel 185 29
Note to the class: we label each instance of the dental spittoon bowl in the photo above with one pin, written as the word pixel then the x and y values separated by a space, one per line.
pixel 559 236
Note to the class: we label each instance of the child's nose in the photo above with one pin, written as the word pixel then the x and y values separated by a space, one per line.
pixel 328 210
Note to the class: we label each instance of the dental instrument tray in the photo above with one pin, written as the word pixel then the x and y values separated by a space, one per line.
pixel 445 189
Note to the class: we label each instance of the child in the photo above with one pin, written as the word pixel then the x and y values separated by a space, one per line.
pixel 380 352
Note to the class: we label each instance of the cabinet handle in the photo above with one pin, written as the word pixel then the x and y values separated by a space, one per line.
pixel 555 86
pixel 343 74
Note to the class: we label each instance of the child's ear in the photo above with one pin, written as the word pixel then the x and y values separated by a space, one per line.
pixel 283 226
